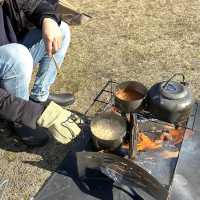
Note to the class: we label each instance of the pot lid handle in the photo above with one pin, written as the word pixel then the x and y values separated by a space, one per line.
pixel 177 74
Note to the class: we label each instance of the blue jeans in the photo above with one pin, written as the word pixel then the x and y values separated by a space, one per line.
pixel 17 61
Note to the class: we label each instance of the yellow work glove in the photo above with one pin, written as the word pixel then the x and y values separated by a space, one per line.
pixel 60 123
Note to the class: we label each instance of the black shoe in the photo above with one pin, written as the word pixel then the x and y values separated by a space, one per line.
pixel 64 99
pixel 31 137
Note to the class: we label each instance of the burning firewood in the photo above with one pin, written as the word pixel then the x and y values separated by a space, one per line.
pixel 145 143
pixel 174 136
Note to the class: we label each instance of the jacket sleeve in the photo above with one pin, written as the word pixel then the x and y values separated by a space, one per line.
pixel 18 110
pixel 37 10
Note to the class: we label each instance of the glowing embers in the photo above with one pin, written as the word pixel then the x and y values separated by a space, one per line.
pixel 146 143
pixel 158 140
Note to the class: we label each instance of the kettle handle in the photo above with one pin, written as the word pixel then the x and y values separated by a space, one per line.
pixel 177 74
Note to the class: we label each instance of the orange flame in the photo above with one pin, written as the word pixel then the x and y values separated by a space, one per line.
pixel 144 142
pixel 174 135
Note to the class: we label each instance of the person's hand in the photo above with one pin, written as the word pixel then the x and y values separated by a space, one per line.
pixel 52 36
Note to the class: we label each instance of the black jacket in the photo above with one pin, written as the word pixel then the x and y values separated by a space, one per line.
pixel 24 14
pixel 18 110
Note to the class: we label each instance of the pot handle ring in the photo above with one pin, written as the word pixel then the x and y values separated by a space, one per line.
pixel 177 74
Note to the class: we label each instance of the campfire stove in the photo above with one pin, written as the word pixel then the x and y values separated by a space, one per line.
pixel 170 155
pixel 152 144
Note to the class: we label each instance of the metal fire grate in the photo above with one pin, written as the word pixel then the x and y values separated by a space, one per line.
pixel 104 98
pixel 104 101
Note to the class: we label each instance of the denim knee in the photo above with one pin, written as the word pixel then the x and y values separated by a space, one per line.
pixel 16 58
pixel 64 27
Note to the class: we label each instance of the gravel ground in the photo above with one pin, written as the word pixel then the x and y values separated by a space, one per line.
pixel 143 40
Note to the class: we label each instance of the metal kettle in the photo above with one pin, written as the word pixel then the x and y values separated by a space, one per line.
pixel 170 101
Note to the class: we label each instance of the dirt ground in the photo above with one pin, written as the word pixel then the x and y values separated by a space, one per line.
pixel 144 40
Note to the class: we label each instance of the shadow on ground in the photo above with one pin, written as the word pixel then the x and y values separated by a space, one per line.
pixel 51 154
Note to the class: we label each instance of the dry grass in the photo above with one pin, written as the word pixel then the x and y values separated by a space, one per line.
pixel 144 40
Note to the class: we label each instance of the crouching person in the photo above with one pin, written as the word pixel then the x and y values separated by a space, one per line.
pixel 30 114
pixel 31 32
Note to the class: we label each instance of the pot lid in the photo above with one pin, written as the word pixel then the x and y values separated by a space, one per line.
pixel 173 90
